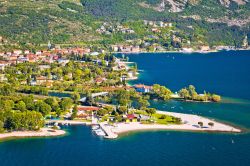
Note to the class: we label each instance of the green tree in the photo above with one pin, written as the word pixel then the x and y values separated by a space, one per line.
pixel 42 107
pixel 143 103
pixel 52 101
pixel 161 92
pixel 1 127
pixel 76 97
pixel 29 101
pixel 77 74
pixel 151 111
pixel 216 98
pixel 211 124
pixel 74 113
pixel 200 123
pixel 66 104
pixel 21 106
pixel 8 105
pixel 184 93
pixel 123 97
pixel 192 92
pixel 123 109
pixel 6 90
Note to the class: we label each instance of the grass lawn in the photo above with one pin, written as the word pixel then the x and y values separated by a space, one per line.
pixel 163 119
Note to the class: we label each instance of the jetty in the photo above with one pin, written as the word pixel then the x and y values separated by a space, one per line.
pixel 108 131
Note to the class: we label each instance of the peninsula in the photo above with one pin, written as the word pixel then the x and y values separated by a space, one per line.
pixel 191 123
pixel 79 86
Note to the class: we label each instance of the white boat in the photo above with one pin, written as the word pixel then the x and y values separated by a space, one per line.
pixel 95 127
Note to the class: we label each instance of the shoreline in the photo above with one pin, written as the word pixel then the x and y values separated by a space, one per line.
pixel 43 132
pixel 190 123
pixel 184 52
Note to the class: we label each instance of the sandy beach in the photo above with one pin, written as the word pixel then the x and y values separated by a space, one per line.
pixel 44 132
pixel 190 123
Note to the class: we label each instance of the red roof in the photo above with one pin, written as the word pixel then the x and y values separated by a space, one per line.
pixel 130 116
pixel 87 108
pixel 140 86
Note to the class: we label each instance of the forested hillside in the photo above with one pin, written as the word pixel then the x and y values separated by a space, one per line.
pixel 32 23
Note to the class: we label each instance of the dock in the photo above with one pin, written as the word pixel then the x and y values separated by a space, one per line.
pixel 108 131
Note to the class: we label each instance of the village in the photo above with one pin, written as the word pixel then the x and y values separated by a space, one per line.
pixel 80 86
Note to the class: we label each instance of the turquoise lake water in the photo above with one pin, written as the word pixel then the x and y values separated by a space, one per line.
pixel 225 73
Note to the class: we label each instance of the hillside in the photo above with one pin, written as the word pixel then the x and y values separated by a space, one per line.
pixel 34 22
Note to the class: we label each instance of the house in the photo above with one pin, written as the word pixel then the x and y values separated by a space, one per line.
pixel 40 80
pixel 143 88
pixel 187 50
pixel 115 48
pixel 156 30
pixel 204 48
pixel 144 117
pixel 26 52
pixel 86 112
pixel 3 78
pixel 39 53
pixel 131 118
pixel 44 67
pixel 125 49
pixel 63 61
pixel 32 57
pixel 33 83
pixel 17 52
pixel 2 66
pixel 130 74
pixel 22 59
pixel 94 53
pixel 135 49
pixel 100 80
pixel 12 57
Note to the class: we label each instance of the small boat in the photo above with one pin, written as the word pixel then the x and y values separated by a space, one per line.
pixel 95 127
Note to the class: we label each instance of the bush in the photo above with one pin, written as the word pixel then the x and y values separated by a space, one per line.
pixel 163 117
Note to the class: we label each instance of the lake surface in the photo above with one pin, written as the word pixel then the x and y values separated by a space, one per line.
pixel 225 73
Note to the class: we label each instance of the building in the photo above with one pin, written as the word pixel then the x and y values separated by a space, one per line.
pixel 100 80
pixel 143 88
pixel 131 118
pixel 86 112
pixel 135 49
pixel 18 52
pixel 204 48
pixel 3 78
pixel 40 80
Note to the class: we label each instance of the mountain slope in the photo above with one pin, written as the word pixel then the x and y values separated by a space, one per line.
pixel 33 22
pixel 41 21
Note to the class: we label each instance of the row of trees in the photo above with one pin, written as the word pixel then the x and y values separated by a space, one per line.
pixel 18 112
pixel 191 94
pixel 28 103
pixel 16 120
pixel 161 92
